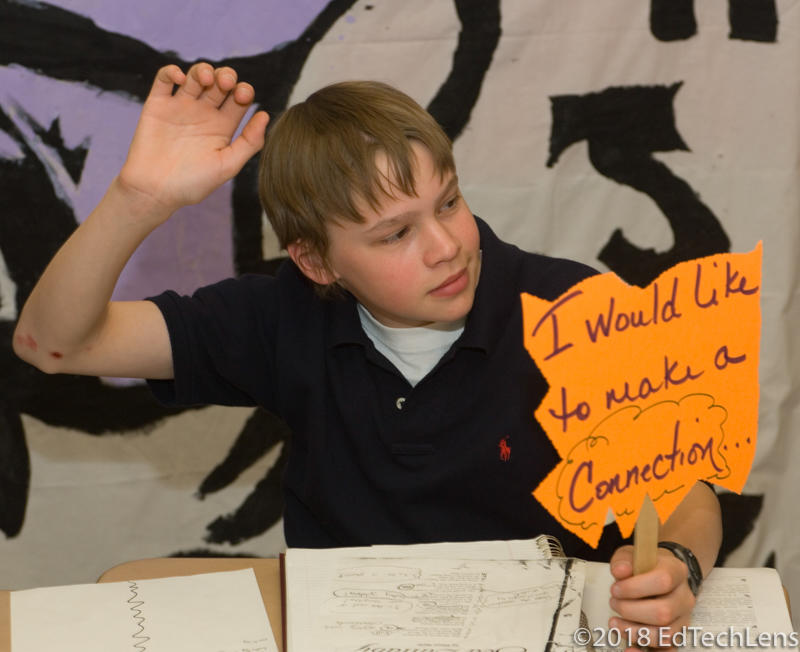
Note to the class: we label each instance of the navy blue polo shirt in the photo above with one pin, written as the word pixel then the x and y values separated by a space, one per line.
pixel 373 459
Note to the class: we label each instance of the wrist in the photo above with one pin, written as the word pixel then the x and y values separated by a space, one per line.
pixel 695 576
pixel 138 205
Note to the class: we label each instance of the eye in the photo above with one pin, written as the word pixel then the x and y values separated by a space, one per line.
pixel 396 236
pixel 451 203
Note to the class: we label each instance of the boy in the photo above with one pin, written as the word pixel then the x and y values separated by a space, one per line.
pixel 391 344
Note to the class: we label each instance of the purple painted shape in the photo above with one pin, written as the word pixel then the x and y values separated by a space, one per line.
pixel 207 29
pixel 195 247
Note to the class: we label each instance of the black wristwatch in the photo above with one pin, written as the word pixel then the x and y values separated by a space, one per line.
pixel 687 557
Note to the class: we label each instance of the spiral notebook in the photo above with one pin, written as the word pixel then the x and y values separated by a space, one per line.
pixel 520 594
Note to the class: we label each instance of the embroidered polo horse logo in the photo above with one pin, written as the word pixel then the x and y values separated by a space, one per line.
pixel 505 449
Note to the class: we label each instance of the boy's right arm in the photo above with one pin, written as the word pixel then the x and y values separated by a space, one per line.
pixel 182 150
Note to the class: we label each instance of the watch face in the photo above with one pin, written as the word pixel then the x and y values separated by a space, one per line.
pixel 694 577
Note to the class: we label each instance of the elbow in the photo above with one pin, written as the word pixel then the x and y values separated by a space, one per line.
pixel 27 348
pixel 24 345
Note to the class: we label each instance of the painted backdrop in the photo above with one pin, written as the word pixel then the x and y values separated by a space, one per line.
pixel 628 134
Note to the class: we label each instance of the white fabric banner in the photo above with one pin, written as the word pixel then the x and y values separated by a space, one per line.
pixel 673 125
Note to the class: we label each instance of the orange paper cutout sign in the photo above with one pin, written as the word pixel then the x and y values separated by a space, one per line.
pixel 650 390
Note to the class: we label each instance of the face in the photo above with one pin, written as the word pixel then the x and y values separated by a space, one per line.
pixel 415 260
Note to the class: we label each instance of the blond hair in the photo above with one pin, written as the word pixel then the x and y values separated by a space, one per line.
pixel 319 161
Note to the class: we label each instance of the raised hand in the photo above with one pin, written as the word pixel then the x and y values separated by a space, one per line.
pixel 183 147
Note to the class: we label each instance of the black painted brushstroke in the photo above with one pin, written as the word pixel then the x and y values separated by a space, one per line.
pixel 477 41
pixel 87 404
pixel 623 127
pixel 67 46
pixel 274 75
pixel 260 433
pixel 207 553
pixel 262 508
pixel 15 471
pixel 672 20
pixel 753 20
pixel 73 158
pixel 35 222
pixel 750 20
pixel 31 231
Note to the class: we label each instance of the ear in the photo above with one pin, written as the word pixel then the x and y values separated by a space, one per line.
pixel 310 263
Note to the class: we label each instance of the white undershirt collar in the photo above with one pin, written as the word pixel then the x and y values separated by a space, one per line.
pixel 414 351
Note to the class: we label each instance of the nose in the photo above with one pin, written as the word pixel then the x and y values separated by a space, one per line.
pixel 441 245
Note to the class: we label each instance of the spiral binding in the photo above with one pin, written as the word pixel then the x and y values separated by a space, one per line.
pixel 551 545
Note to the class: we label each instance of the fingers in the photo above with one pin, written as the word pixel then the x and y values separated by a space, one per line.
pixel 224 82
pixel 668 574
pixel 219 87
pixel 216 86
pixel 653 605
pixel 658 618
pixel 191 84
pixel 237 101
pixel 653 622
pixel 166 79
pixel 202 110
pixel 660 611
pixel 200 76
pixel 244 93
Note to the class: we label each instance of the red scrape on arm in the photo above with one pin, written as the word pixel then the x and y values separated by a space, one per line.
pixel 28 341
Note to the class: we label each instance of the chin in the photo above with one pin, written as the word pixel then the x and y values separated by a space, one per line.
pixel 456 312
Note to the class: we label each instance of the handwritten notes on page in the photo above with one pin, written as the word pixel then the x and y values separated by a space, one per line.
pixel 737 609
pixel 212 612
pixel 651 389
pixel 352 603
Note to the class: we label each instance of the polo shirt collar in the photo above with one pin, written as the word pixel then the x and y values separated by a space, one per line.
pixel 496 295
pixel 344 324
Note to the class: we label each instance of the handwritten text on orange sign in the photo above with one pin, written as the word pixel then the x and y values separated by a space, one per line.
pixel 650 388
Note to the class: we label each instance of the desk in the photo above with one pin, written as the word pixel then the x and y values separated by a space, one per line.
pixel 267 573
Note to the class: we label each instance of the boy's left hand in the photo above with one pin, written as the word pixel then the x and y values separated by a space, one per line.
pixel 652 606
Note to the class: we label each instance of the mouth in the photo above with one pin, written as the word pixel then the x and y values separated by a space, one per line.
pixel 452 285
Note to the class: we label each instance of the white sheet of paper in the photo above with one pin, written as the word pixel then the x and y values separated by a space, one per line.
pixel 350 603
pixel 535 548
pixel 734 607
pixel 211 612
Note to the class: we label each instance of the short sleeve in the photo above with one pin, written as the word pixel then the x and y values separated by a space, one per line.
pixel 222 340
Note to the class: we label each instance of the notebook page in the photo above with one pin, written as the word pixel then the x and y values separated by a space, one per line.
pixel 535 548
pixel 735 606
pixel 366 604
pixel 211 612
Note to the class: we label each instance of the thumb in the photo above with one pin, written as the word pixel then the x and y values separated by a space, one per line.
pixel 247 144
pixel 622 563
